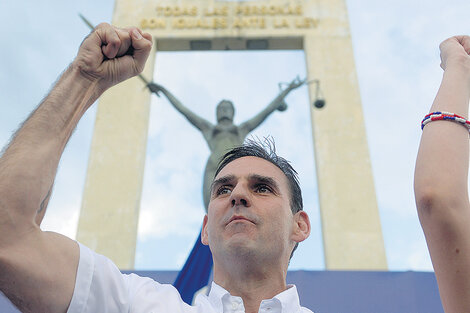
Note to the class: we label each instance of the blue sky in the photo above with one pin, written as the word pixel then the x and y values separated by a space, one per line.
pixel 397 60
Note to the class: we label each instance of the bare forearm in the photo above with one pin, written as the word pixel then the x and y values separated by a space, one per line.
pixel 28 166
pixel 442 164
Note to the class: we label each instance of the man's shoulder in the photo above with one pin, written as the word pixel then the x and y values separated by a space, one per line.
pixel 101 287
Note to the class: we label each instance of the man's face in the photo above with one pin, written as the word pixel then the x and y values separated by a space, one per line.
pixel 249 211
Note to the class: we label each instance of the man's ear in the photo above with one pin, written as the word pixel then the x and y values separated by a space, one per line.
pixel 204 236
pixel 301 229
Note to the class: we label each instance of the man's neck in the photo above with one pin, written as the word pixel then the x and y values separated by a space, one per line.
pixel 252 285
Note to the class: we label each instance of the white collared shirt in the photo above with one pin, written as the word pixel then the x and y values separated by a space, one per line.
pixel 222 301
pixel 100 287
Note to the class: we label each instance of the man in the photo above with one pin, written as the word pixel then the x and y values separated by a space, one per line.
pixel 441 178
pixel 250 227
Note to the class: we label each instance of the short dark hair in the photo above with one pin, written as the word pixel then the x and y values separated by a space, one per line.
pixel 266 149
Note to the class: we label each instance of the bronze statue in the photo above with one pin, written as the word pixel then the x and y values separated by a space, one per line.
pixel 225 134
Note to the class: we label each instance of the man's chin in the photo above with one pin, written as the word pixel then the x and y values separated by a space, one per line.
pixel 241 243
pixel 239 250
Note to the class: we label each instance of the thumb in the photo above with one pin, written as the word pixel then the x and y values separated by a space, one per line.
pixel 142 44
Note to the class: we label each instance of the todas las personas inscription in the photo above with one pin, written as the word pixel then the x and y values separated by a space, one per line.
pixel 224 16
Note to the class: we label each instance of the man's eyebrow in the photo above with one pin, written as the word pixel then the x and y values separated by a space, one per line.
pixel 220 181
pixel 265 180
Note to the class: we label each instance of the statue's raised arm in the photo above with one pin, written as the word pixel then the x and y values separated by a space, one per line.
pixel 200 123
pixel 249 125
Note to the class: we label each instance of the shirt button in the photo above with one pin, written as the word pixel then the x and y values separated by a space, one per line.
pixel 234 306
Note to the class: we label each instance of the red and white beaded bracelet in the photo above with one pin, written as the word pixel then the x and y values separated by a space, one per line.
pixel 445 116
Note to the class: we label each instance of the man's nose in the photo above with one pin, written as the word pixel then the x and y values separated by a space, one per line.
pixel 240 196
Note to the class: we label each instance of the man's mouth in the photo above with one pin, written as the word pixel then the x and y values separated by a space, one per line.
pixel 239 218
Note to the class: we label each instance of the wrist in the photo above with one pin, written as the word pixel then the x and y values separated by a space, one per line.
pixel 85 79
pixel 85 82
pixel 72 95
pixel 459 65
pixel 458 72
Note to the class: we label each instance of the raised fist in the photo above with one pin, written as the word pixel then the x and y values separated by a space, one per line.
pixel 110 55
pixel 455 50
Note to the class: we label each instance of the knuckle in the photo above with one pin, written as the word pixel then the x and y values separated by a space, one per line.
pixel 148 37
pixel 114 41
pixel 103 25
pixel 147 45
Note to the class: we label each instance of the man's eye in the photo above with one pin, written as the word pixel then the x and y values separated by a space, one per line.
pixel 224 190
pixel 263 189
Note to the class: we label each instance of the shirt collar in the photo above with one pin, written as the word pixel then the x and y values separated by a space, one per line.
pixel 215 296
pixel 288 300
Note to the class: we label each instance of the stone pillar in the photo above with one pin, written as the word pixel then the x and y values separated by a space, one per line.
pixel 351 225
pixel 111 199
pixel 352 235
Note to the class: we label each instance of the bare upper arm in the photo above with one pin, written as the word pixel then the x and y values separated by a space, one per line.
pixel 38 271
pixel 447 231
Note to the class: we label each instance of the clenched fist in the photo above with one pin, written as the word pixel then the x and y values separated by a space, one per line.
pixel 455 50
pixel 110 55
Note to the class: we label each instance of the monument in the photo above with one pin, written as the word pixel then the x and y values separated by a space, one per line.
pixel 351 227
pixel 225 134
